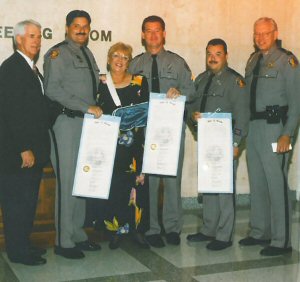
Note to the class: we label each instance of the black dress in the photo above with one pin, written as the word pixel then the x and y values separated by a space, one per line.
pixel 128 162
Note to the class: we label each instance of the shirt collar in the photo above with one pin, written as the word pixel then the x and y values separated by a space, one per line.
pixel 28 60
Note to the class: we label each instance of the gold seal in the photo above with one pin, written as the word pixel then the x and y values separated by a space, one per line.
pixel 86 168
pixel 153 146
pixel 54 54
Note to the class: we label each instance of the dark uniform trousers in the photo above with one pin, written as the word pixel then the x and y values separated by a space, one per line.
pixel 268 185
pixel 19 194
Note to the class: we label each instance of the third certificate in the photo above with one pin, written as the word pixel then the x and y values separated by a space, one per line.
pixel 215 156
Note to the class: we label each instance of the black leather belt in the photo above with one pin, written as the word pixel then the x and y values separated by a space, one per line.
pixel 72 113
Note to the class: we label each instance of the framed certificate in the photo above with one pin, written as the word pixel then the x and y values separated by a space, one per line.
pixel 96 156
pixel 163 134
pixel 215 153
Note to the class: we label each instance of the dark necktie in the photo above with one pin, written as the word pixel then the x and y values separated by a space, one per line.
pixel 39 76
pixel 91 71
pixel 154 76
pixel 253 85
pixel 205 93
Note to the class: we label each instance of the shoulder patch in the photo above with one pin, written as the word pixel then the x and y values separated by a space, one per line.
pixel 136 80
pixel 54 54
pixel 239 79
pixel 293 61
pixel 240 82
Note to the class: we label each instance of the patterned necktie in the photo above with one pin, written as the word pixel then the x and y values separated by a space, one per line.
pixel 253 85
pixel 205 93
pixel 154 76
pixel 91 71
pixel 35 70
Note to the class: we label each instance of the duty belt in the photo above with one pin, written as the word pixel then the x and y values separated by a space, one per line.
pixel 282 111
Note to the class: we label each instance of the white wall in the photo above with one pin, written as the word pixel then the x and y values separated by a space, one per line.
pixel 189 24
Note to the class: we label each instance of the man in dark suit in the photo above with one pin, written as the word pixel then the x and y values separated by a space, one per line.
pixel 24 141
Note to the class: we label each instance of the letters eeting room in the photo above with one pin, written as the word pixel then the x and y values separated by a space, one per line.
pixel 164 244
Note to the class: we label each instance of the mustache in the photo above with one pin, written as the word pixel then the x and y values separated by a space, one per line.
pixel 81 33
pixel 212 62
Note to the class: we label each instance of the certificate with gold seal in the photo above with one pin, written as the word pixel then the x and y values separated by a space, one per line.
pixel 215 153
pixel 163 134
pixel 96 156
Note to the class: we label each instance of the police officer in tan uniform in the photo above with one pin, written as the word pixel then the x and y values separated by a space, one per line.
pixel 166 73
pixel 221 89
pixel 71 78
pixel 273 77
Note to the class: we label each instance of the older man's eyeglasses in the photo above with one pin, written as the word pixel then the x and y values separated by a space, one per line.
pixel 120 56
pixel 263 34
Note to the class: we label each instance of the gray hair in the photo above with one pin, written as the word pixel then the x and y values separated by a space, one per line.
pixel 267 20
pixel 20 27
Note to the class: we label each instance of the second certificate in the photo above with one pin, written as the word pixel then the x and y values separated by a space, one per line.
pixel 164 127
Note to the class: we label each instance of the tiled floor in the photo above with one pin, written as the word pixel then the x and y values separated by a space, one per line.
pixel 188 262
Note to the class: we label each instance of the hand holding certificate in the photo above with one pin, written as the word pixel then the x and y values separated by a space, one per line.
pixel 96 156
pixel 163 135
pixel 215 156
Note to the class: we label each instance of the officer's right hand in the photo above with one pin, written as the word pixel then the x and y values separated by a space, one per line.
pixel 196 116
pixel 95 110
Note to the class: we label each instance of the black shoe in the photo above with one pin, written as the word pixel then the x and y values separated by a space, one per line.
pixel 199 237
pixel 173 238
pixel 140 240
pixel 30 260
pixel 217 245
pixel 155 241
pixel 88 246
pixel 271 251
pixel 70 253
pixel 37 251
pixel 250 241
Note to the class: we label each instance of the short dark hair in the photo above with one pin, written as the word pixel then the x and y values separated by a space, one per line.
pixel 217 41
pixel 77 14
pixel 152 19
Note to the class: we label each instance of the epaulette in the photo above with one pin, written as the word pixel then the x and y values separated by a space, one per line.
pixel 292 58
pixel 234 72
pixel 251 57
pixel 138 55
pixel 240 81
pixel 289 53
pixel 175 54
pixel 185 63
pixel 60 44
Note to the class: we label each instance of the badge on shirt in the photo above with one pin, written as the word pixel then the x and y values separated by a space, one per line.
pixel 240 82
